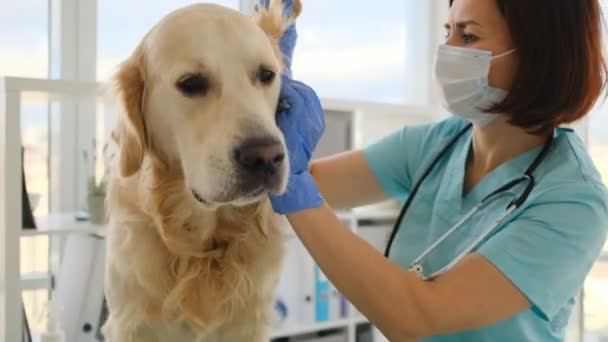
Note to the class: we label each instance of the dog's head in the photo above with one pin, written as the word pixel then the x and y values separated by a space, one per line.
pixel 201 93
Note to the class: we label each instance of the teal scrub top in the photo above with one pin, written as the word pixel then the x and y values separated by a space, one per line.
pixel 546 247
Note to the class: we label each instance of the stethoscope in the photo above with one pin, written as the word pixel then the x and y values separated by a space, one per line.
pixel 515 201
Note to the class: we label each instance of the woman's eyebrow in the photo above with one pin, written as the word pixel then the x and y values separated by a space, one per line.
pixel 463 24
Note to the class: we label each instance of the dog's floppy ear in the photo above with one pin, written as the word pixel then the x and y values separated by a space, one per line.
pixel 131 129
pixel 273 19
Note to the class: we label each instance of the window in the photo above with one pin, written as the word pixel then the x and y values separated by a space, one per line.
pixel 122 24
pixel 596 286
pixel 24 42
pixel 26 55
pixel 361 55
pixel 23 38
pixel 352 50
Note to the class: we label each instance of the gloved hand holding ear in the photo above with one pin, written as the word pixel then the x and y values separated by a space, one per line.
pixel 302 121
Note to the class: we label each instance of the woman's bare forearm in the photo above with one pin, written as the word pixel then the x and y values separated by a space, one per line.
pixel 346 181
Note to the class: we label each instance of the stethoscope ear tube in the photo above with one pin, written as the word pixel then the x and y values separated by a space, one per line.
pixel 521 199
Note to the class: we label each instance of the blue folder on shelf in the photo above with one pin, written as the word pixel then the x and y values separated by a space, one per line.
pixel 322 296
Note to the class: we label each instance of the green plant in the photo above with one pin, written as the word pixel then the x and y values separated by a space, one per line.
pixel 97 188
pixel 98 174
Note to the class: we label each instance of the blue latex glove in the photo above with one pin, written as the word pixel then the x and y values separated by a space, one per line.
pixel 289 39
pixel 302 121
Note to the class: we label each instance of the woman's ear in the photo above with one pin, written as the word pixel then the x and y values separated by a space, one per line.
pixel 131 129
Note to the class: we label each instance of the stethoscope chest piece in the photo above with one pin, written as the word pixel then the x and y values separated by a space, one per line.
pixel 418 270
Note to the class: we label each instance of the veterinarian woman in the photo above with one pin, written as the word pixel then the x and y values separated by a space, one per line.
pixel 510 72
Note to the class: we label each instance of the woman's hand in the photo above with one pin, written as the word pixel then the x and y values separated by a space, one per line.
pixel 302 121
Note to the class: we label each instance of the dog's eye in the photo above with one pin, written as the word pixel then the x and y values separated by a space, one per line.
pixel 193 85
pixel 265 75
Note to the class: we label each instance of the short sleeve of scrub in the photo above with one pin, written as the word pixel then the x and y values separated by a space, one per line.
pixel 395 159
pixel 548 250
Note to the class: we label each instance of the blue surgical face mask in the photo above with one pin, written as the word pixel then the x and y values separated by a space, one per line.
pixel 461 75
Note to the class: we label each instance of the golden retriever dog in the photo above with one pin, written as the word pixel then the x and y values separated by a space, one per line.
pixel 194 249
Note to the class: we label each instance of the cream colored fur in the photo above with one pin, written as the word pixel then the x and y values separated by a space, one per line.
pixel 178 270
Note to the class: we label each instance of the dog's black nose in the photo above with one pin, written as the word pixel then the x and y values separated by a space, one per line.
pixel 260 157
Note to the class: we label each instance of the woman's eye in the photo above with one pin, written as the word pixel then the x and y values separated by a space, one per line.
pixel 193 85
pixel 469 38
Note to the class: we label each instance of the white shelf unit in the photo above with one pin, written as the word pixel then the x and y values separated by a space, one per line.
pixel 66 224
pixel 55 225
pixel 303 329
pixel 357 220
pixel 11 231
pixel 377 119
pixel 63 224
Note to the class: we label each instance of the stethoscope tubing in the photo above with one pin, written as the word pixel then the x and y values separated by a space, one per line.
pixel 516 203
pixel 416 187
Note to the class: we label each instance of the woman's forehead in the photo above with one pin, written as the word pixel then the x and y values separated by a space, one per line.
pixel 475 13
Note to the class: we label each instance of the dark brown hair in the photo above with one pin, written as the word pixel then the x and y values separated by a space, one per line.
pixel 561 71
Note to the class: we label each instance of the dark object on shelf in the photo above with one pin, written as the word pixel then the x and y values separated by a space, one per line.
pixel 27 217
pixel 103 317
pixel 27 220
pixel 26 333
pixel 364 333
pixel 332 335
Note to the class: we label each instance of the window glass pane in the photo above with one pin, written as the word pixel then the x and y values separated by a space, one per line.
pixel 122 24
pixel 353 50
pixel 35 303
pixel 24 45
pixel 596 286
pixel 35 137
pixel 596 302
pixel 24 38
